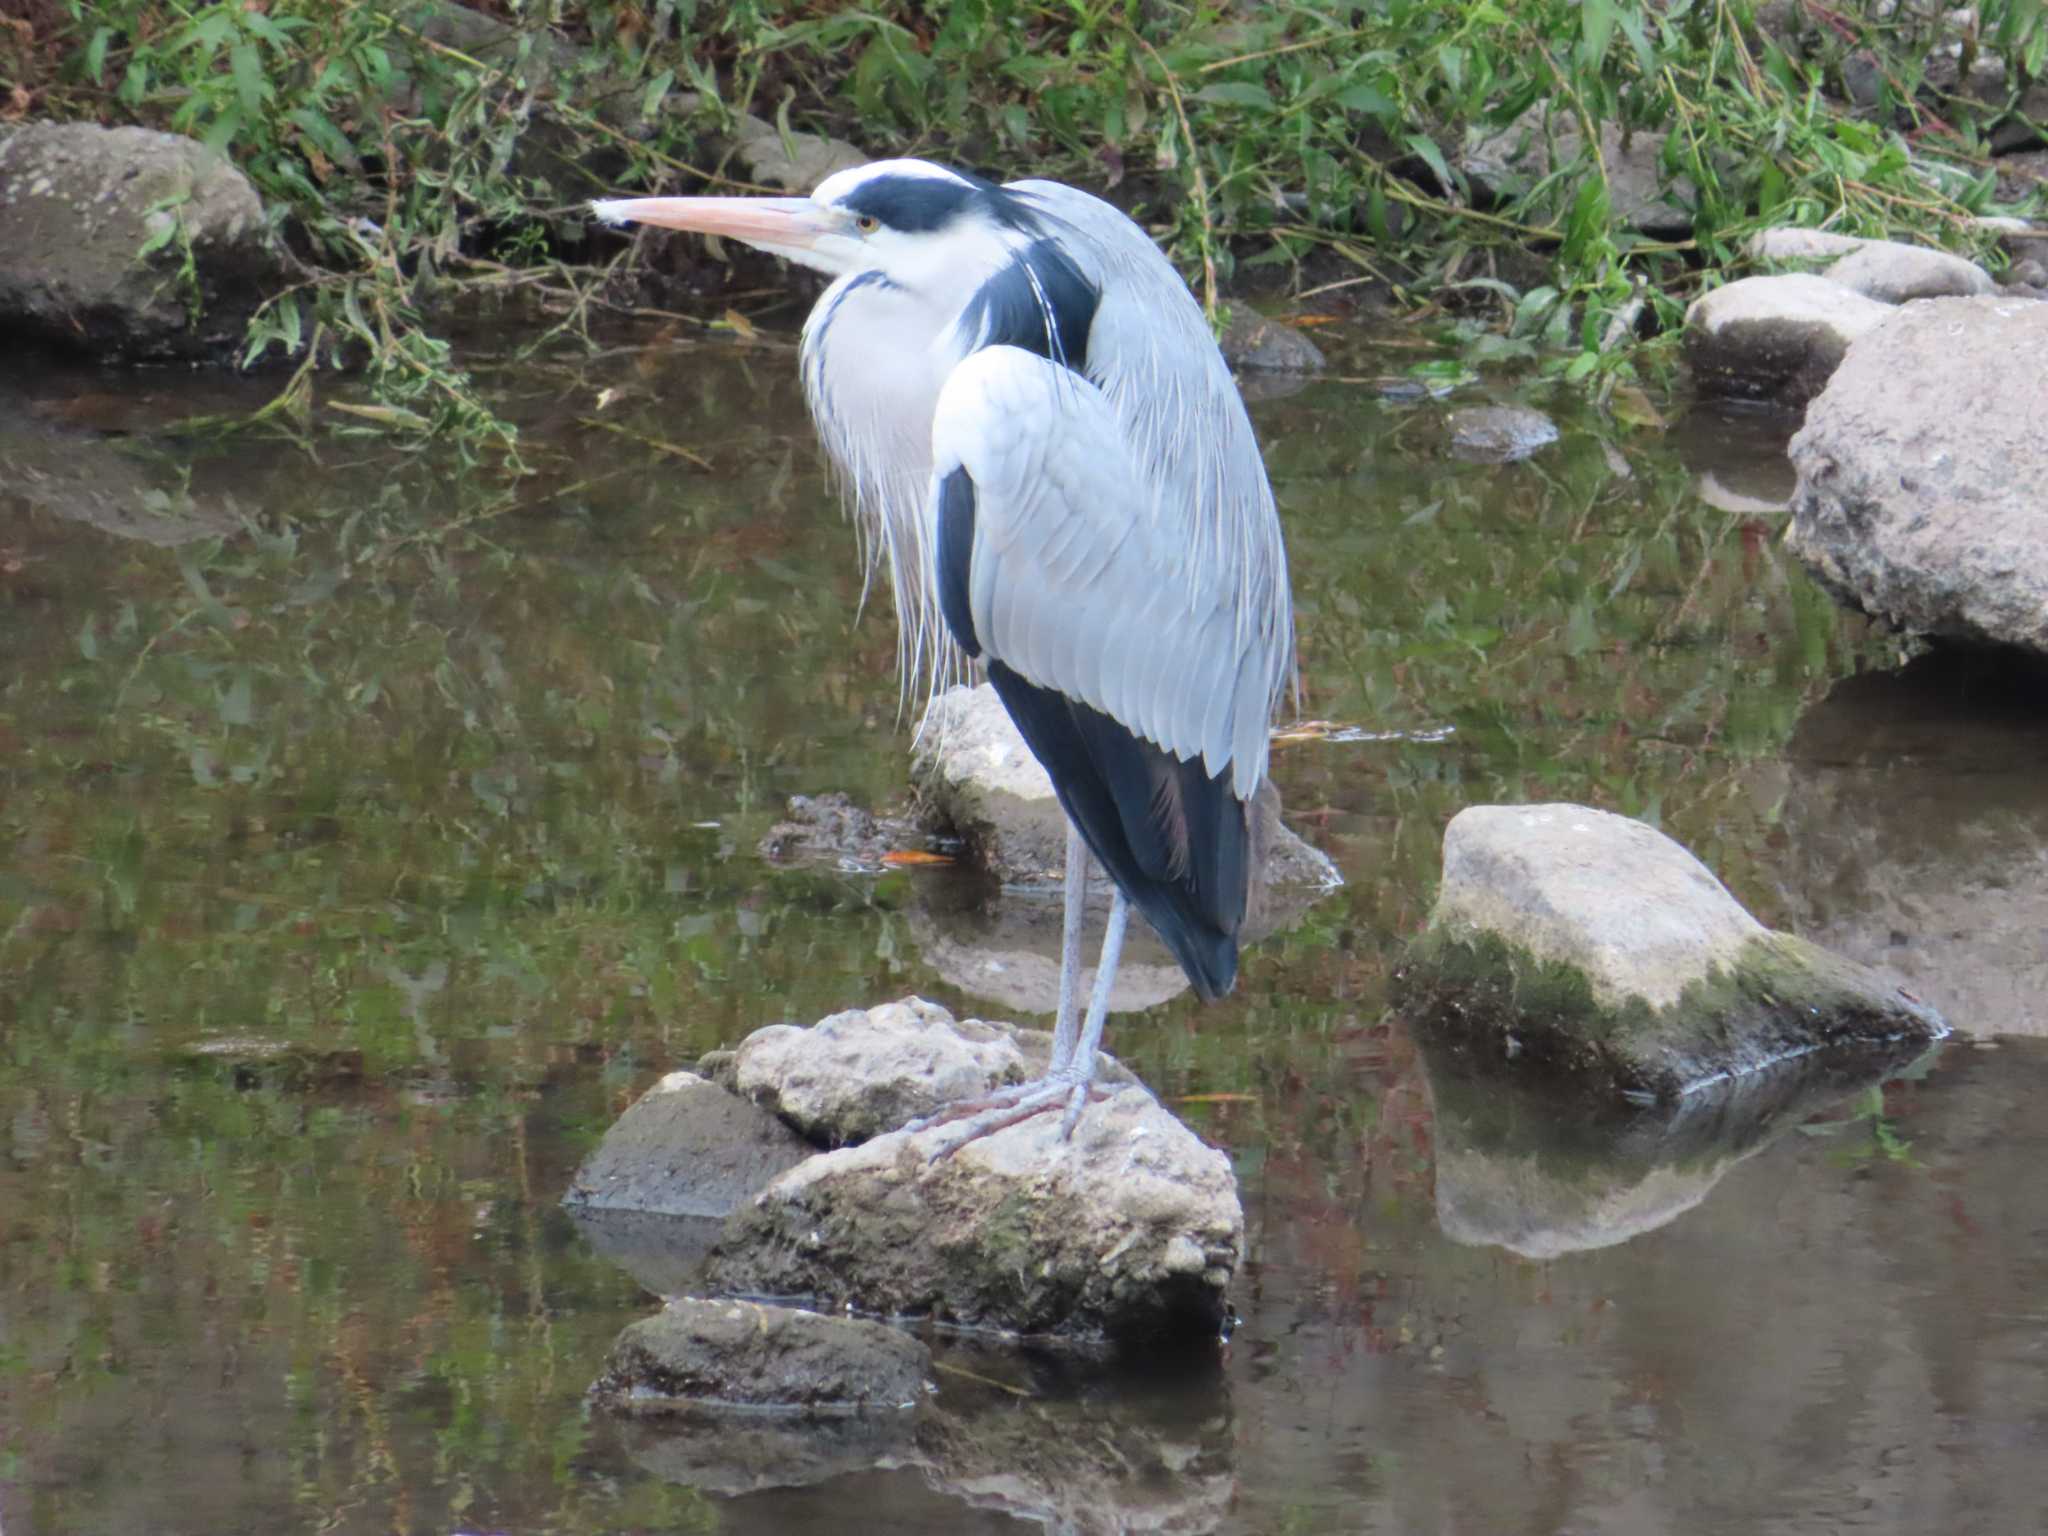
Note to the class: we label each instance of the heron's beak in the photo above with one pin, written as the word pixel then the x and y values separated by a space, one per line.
pixel 787 226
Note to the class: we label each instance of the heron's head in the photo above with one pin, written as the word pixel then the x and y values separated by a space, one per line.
pixel 920 225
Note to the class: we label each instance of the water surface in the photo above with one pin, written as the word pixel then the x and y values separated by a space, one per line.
pixel 370 835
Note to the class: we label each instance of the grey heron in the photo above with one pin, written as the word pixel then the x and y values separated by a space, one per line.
pixel 1046 452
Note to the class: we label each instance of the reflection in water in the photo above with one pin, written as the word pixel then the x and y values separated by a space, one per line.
pixel 1543 1174
pixel 459 785
pixel 1003 1439
pixel 1916 820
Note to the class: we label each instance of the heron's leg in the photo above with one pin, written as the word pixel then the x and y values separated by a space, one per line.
pixel 1067 1024
pixel 1068 1084
pixel 1083 1064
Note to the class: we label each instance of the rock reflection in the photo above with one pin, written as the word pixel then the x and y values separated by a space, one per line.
pixel 1536 1173
pixel 1046 1442
pixel 1916 820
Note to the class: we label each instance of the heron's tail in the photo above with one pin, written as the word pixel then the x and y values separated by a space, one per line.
pixel 1175 840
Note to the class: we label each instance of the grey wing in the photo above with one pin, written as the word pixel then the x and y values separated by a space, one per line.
pixel 1151 352
pixel 1071 586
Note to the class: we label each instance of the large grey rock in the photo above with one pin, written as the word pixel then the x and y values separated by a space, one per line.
pixel 1600 952
pixel 978 781
pixel 1128 1232
pixel 1923 473
pixel 1507 163
pixel 859 1073
pixel 1892 273
pixel 1777 337
pixel 686 1147
pixel 698 1352
pixel 77 205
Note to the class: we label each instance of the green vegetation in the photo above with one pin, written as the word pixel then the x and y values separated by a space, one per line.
pixel 419 151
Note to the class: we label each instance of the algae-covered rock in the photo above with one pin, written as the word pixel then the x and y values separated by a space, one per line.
pixel 1590 948
pixel 1129 1231
pixel 697 1351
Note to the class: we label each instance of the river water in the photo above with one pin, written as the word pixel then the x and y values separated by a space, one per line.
pixel 372 832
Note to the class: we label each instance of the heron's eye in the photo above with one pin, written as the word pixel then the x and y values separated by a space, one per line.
pixel 867 223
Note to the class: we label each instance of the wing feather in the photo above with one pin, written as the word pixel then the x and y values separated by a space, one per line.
pixel 1073 584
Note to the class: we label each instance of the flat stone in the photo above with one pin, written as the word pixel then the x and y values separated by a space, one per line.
pixel 1601 953
pixel 1127 1233
pixel 695 1353
pixel 859 1073
pixel 78 202
pixel 1923 473
pixel 1892 273
pixel 1777 337
pixel 686 1147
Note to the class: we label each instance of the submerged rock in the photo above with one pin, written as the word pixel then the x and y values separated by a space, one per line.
pixel 80 204
pixel 1252 341
pixel 1499 434
pixel 730 1353
pixel 1128 1232
pixel 865 1071
pixel 1594 950
pixel 980 783
pixel 1923 474
pixel 686 1147
pixel 1777 337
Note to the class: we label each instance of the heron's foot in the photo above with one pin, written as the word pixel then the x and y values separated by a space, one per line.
pixel 972 1119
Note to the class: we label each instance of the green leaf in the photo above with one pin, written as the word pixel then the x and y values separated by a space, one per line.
pixel 237 704
pixel 1423 145
pixel 1235 93
pixel 246 65
pixel 96 54
pixel 657 91
pixel 1369 99
pixel 1596 32
pixel 89 640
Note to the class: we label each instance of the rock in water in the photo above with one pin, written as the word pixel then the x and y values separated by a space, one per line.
pixel 1499 434
pixel 1776 337
pixel 1892 272
pixel 686 1147
pixel 1923 473
pixel 1127 1233
pixel 78 206
pixel 729 1353
pixel 1596 950
pixel 859 1073
pixel 979 782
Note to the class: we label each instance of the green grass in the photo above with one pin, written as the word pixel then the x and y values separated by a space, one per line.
pixel 419 151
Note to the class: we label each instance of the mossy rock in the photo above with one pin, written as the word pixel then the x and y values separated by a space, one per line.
pixel 1778 998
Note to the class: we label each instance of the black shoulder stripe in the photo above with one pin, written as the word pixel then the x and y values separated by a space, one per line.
pixel 955 555
pixel 1041 302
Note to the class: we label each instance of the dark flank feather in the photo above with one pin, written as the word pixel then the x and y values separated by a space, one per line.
pixel 1175 840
